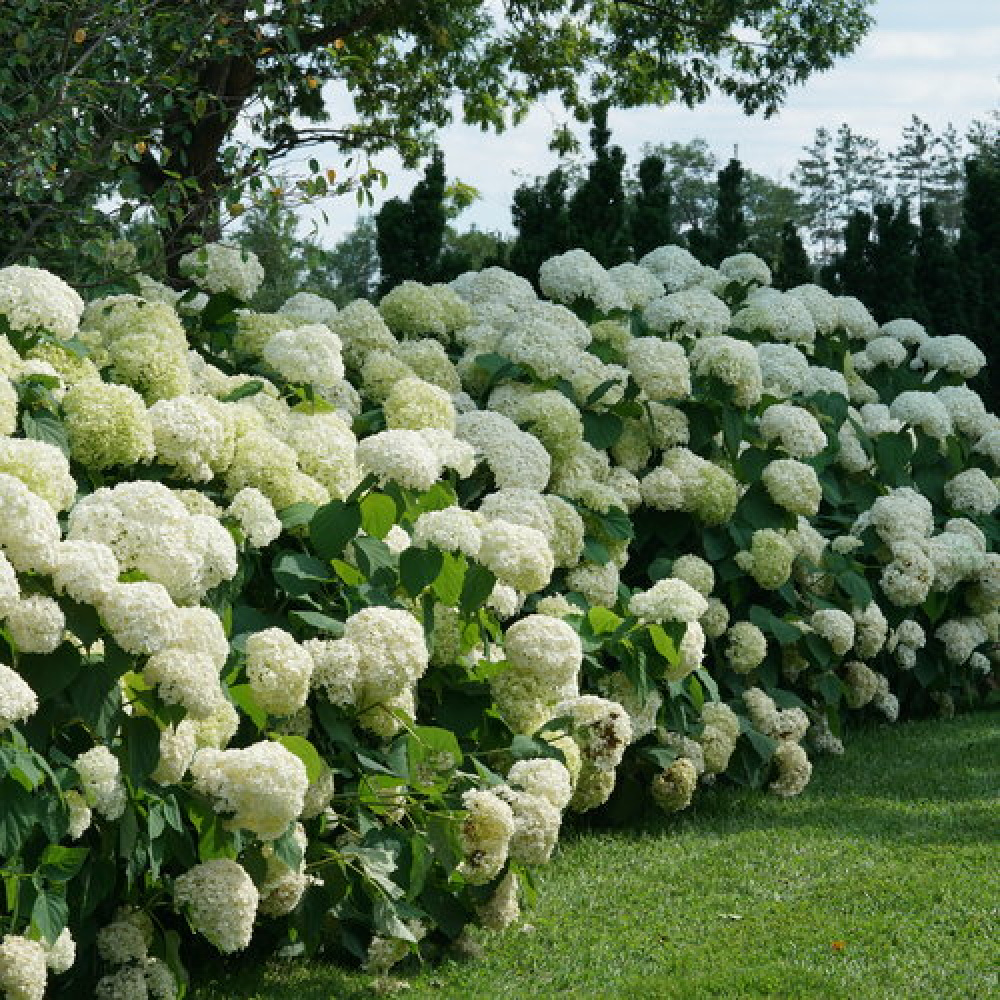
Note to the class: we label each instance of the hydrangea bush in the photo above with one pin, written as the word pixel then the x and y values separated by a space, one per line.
pixel 316 624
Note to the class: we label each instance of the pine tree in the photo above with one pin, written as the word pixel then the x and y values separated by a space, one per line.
pixel 410 234
pixel 792 266
pixel 815 174
pixel 598 210
pixel 914 162
pixel 893 292
pixel 939 280
pixel 542 222
pixel 947 181
pixel 730 230
pixel 652 210
pixel 858 171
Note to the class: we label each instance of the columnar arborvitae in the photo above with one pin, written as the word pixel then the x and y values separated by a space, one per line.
pixel 652 223
pixel 410 233
pixel 730 230
pixel 893 291
pixel 938 278
pixel 542 223
pixel 850 271
pixel 978 251
pixel 792 266
pixel 598 209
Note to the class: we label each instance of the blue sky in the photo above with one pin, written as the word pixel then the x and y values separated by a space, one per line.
pixel 938 60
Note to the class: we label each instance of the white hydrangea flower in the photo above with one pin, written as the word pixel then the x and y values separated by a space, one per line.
pixel 907 331
pixel 693 312
pixel 733 362
pixel 18 701
pixel 778 316
pixel 972 491
pixel 746 268
pixel 955 354
pixel 392 652
pixel 262 786
pixel 794 770
pixel 29 529
pixel 186 678
pixel 854 317
pixel 517 555
pixel 414 404
pixel 42 467
pixel 335 669
pixel 36 624
pixel 676 267
pixel 256 517
pixel 307 354
pixel 746 647
pixel 660 368
pixel 668 600
pixel 836 626
pixel 100 776
pixel 793 485
pixel 34 301
pixel 923 410
pixel 61 954
pixel 577 275
pixel 401 456
pixel 516 458
pixel 639 285
pixel 221 901
pixel 796 430
pixel 309 308
pixel 191 434
pixel 85 571
pixel 23 973
pixel 278 670
pixel 821 304
pixel 218 268
pixel 486 833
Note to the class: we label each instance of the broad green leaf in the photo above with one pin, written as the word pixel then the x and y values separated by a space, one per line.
pixel 305 751
pixel 50 914
pixel 418 568
pixel 333 526
pixel 298 574
pixel 140 751
pixel 476 588
pixel 378 514
pixel 602 430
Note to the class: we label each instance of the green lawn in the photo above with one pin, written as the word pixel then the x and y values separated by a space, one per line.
pixel 881 881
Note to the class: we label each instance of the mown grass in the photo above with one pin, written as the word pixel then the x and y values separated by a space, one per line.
pixel 881 881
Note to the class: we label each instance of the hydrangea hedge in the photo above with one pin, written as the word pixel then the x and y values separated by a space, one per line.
pixel 315 624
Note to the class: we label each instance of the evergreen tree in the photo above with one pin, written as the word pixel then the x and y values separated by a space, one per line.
pixel 815 174
pixel 652 209
pixel 893 292
pixel 859 168
pixel 978 251
pixel 939 280
pixel 792 266
pixel 947 181
pixel 598 208
pixel 701 244
pixel 850 271
pixel 409 234
pixel 730 230
pixel 541 220
pixel 915 161
pixel 690 170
